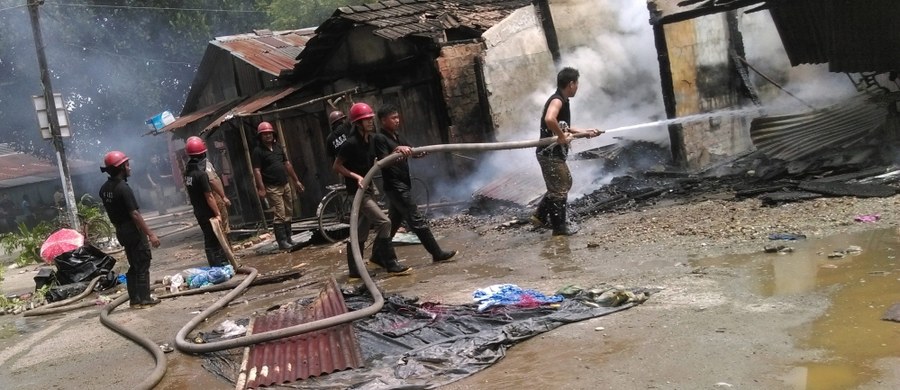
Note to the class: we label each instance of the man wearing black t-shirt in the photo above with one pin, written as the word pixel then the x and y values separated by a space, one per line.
pixel 131 230
pixel 196 181
pixel 340 130
pixel 274 175
pixel 354 160
pixel 397 183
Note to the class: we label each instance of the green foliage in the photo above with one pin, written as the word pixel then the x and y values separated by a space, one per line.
pixel 28 241
pixel 292 14
pixel 95 226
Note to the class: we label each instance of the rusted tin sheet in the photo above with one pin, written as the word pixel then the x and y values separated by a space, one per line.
pixel 302 356
pixel 253 104
pixel 271 52
pixel 791 137
pixel 18 169
pixel 522 190
pixel 398 19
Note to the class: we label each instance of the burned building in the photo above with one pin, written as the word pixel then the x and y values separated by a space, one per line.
pixel 447 66
pixel 703 67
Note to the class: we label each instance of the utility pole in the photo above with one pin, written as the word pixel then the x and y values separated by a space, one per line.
pixel 52 119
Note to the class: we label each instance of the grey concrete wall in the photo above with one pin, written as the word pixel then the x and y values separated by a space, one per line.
pixel 517 63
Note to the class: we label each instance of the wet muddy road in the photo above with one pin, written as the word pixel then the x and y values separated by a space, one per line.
pixel 727 315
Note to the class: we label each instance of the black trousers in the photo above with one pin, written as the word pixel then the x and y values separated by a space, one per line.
pixel 401 208
pixel 214 251
pixel 137 251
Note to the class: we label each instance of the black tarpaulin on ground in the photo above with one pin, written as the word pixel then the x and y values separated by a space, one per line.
pixel 411 345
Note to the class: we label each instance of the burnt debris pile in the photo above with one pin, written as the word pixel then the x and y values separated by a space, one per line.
pixel 860 171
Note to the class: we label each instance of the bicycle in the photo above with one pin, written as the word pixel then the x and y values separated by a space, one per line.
pixel 333 212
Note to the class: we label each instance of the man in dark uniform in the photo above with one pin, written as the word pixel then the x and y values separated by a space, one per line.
pixel 196 181
pixel 131 230
pixel 397 183
pixel 552 158
pixel 271 171
pixel 354 160
pixel 340 129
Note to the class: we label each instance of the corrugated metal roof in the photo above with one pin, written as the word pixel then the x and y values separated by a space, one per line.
pixel 398 19
pixel 271 52
pixel 791 137
pixel 851 36
pixel 19 168
pixel 204 112
pixel 253 104
pixel 302 356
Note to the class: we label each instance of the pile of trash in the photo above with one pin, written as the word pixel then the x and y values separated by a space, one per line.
pixel 198 277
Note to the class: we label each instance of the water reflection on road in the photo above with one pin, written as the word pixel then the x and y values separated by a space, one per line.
pixel 861 286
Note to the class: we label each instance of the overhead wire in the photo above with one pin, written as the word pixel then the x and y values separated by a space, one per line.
pixel 145 8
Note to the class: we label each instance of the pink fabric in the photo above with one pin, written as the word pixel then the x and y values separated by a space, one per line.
pixel 61 241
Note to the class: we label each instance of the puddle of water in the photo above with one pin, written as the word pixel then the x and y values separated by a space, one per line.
pixel 861 287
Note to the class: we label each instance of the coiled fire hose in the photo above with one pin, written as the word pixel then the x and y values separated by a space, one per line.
pixel 186 346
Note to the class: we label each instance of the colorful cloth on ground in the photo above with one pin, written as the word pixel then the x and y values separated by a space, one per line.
pixel 510 294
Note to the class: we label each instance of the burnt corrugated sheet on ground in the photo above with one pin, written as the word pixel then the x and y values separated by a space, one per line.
pixel 306 355
pixel 791 137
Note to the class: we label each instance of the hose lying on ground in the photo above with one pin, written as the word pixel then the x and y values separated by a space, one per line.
pixel 160 370
pixel 183 345
pixel 57 307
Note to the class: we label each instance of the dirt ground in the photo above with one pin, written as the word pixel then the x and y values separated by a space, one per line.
pixel 708 327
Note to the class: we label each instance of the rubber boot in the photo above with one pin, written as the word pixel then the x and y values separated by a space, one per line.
pixel 561 226
pixel 279 237
pixel 215 257
pixel 142 289
pixel 130 285
pixel 288 232
pixel 431 245
pixel 540 218
pixel 385 256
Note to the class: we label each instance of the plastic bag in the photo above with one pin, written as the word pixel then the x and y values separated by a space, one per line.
pixel 204 276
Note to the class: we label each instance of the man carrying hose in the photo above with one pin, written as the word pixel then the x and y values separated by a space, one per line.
pixel 354 160
pixel 397 183
pixel 552 158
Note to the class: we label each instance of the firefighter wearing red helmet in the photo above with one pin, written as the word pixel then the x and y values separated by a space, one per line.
pixel 200 190
pixel 353 161
pixel 131 230
pixel 274 175
pixel 195 146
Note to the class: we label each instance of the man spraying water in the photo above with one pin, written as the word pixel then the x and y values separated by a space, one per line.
pixel 555 120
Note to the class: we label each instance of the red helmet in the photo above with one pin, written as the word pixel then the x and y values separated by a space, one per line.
pixel 195 146
pixel 335 116
pixel 264 127
pixel 360 111
pixel 114 159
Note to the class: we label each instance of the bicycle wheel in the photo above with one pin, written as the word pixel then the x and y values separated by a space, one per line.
pixel 419 194
pixel 334 216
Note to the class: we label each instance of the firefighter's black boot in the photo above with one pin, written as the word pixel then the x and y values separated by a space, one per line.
pixel 142 289
pixel 288 232
pixel 215 257
pixel 540 218
pixel 131 283
pixel 431 245
pixel 279 237
pixel 383 254
pixel 558 220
